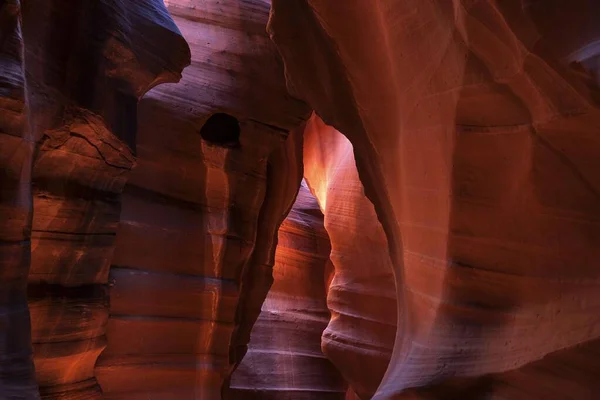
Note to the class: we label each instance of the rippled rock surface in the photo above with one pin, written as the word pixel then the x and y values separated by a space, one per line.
pixel 475 128
pixel 217 171
pixel 284 359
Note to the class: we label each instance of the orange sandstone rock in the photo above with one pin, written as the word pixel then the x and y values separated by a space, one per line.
pixel 476 140
pixel 284 359
pixel 361 296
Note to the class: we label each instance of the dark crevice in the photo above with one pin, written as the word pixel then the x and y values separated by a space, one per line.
pixel 221 130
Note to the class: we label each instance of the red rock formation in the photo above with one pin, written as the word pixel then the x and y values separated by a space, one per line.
pixel 201 210
pixel 284 360
pixel 257 279
pixel 477 144
pixel 77 70
pixel 17 379
pixel 362 295
pixel 566 374
pixel 475 129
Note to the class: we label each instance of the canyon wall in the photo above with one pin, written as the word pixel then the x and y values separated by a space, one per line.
pixel 17 379
pixel 475 128
pixel 138 237
pixel 284 360
pixel 75 73
pixel 216 174
pixel 361 296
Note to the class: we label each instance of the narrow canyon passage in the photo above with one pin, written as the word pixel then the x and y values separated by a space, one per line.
pixel 156 241
pixel 284 359
pixel 362 295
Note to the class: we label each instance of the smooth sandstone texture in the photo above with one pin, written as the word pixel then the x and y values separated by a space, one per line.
pixel 71 78
pixel 476 139
pixel 201 210
pixel 284 359
pixel 475 131
pixel 361 296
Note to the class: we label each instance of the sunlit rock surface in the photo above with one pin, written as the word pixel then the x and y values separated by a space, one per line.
pixel 284 359
pixel 361 296
pixel 476 138
pixel 201 209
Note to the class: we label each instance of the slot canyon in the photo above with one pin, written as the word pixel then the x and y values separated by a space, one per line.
pixel 299 199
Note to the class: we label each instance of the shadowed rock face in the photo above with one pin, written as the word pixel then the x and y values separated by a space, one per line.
pixel 71 78
pixel 477 142
pixel 16 156
pixel 284 359
pixel 216 174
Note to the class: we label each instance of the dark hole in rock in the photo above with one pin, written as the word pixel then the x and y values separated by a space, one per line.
pixel 221 130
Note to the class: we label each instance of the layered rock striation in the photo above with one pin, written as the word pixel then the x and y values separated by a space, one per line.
pixel 284 359
pixel 462 208
pixel 475 130
pixel 74 75
pixel 361 295
pixel 217 171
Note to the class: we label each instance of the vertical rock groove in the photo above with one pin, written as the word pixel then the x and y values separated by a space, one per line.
pixel 284 174
pixel 200 213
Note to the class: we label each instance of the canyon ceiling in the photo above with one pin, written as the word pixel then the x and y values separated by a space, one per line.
pixel 299 199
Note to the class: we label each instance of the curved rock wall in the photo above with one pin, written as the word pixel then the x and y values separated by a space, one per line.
pixel 197 213
pixel 361 297
pixel 474 127
pixel 78 71
pixel 566 374
pixel 477 143
pixel 284 359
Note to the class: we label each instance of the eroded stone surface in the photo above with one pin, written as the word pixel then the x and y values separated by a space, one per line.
pixel 199 217
pixel 475 131
pixel 72 75
pixel 476 140
pixel 361 295
pixel 284 359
